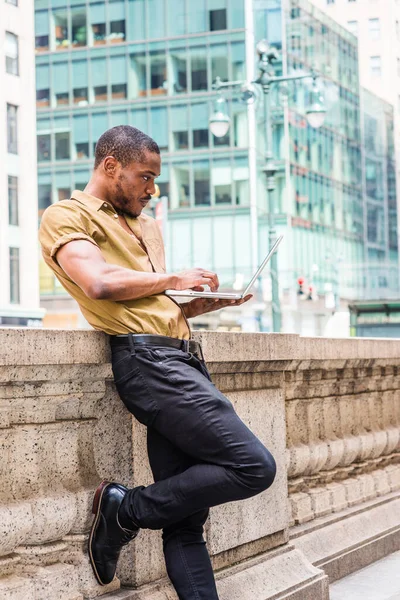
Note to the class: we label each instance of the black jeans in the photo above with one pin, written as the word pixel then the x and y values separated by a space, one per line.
pixel 200 452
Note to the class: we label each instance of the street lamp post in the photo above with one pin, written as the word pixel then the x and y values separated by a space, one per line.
pixel 219 126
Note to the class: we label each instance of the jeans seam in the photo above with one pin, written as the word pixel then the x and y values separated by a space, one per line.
pixel 187 570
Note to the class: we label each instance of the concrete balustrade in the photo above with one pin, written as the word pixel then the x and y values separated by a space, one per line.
pixel 329 410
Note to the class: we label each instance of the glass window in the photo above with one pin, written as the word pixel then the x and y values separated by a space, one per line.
pixel 97 15
pixel 42 86
pixel 375 66
pixel 14 276
pixel 197 16
pixel 79 81
pixel 62 143
pixel 201 174
pixel 374 28
pixel 218 19
pixel 11 52
pixel 156 8
pixel 61 34
pixel 221 181
pixel 12 129
pixel 137 75
pixel 238 58
pixel 177 18
pixel 12 200
pixel 137 19
pixel 43 147
pixel 42 30
pixel 240 126
pixel 118 77
pixel 80 130
pixel 116 10
pixel 180 186
pixel 99 126
pixel 199 69
pixel 60 87
pixel 179 124
pixel 217 14
pixel 241 177
pixel 236 14
pixel 179 71
pixel 159 126
pixel 79 30
pixel 219 62
pixel 98 69
pixel 158 73
pixel 44 197
pixel 199 125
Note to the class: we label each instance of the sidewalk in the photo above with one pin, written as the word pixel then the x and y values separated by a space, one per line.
pixel 380 581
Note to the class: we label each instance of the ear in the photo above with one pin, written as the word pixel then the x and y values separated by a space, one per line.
pixel 110 166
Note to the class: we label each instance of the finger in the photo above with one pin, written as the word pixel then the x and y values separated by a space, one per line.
pixel 198 288
pixel 214 281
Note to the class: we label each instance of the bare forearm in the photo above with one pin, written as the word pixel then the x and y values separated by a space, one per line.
pixel 118 283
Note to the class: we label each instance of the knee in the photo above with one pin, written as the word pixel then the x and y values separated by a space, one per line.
pixel 262 475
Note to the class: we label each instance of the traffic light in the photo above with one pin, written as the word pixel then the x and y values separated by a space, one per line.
pixel 300 289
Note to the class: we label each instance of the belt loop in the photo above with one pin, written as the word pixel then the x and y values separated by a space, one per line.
pixel 131 344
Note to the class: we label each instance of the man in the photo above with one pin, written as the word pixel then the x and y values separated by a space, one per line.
pixel 110 258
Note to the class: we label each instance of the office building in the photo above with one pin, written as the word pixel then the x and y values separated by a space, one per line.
pixel 137 62
pixel 19 289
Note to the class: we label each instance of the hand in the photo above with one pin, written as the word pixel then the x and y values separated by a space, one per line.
pixel 201 306
pixel 195 279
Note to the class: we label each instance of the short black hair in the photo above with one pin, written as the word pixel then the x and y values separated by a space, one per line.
pixel 126 144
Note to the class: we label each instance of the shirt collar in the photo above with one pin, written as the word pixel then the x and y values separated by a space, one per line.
pixel 92 201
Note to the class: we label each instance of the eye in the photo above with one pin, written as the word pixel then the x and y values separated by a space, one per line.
pixel 146 178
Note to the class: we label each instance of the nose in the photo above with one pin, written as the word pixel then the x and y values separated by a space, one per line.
pixel 150 188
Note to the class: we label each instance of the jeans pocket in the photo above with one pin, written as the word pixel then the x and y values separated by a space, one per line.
pixel 134 392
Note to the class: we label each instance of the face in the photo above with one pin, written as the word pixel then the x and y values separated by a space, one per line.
pixel 133 186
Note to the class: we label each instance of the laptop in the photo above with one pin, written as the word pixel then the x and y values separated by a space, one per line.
pixel 228 296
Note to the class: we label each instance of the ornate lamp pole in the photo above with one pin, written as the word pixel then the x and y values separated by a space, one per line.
pixel 220 122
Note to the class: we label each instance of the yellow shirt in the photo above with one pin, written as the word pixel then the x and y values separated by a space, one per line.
pixel 85 217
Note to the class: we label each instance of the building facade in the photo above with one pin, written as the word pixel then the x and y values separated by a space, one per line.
pixel 137 62
pixel 376 26
pixel 19 295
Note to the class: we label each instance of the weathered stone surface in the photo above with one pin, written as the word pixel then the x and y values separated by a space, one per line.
pixel 329 410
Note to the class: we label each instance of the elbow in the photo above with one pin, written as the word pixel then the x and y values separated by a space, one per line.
pixel 98 290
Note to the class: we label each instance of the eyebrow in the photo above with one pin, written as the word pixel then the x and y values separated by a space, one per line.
pixel 150 173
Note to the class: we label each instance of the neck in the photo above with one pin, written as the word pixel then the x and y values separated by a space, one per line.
pixel 97 189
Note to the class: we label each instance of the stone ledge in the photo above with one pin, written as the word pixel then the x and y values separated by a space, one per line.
pixel 283 574
pixel 351 539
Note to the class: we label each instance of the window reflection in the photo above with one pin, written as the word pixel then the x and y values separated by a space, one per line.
pixel 43 147
pixel 199 69
pixel 61 36
pixel 137 75
pixel 179 74
pixel 62 145
pixel 219 62
pixel 158 74
pixel 201 173
pixel 78 18
pixel 180 187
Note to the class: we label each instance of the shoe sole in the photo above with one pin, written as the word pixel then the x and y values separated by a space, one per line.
pixel 96 511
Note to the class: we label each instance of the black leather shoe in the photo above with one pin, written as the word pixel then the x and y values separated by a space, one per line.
pixel 107 537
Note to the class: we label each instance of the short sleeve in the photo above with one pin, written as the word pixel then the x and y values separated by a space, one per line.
pixel 62 223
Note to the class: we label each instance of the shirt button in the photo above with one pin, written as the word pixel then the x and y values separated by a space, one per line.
pixel 105 205
pixel 115 216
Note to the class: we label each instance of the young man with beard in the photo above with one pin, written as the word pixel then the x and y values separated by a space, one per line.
pixel 110 258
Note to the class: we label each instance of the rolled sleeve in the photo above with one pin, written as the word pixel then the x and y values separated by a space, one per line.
pixel 62 223
pixel 70 237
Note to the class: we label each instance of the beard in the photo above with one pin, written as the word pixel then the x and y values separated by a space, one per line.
pixel 121 201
